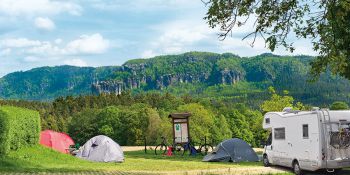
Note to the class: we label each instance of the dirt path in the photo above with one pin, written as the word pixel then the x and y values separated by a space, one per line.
pixel 139 148
pixel 233 171
pixel 136 148
pixel 226 171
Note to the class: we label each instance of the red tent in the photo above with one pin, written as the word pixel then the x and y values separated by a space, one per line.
pixel 55 140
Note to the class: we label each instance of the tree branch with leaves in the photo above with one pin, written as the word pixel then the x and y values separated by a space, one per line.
pixel 325 22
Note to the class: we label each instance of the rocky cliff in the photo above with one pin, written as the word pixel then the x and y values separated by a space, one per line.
pixel 160 72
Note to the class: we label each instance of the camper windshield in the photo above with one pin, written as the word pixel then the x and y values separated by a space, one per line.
pixel 269 140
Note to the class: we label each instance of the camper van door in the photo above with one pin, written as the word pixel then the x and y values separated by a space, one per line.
pixel 269 149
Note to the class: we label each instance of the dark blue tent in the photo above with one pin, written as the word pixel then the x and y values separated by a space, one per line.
pixel 232 150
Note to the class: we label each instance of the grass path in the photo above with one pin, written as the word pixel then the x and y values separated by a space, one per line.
pixel 39 159
pixel 44 161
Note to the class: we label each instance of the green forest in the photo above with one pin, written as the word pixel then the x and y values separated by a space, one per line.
pixel 130 119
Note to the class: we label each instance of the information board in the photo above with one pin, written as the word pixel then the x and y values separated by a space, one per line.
pixel 180 127
pixel 184 133
pixel 178 133
pixel 181 132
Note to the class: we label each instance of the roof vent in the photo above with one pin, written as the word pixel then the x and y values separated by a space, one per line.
pixel 315 109
pixel 287 109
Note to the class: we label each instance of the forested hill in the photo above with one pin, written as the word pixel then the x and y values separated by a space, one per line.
pixel 200 74
pixel 46 83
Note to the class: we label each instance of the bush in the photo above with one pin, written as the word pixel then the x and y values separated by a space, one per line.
pixel 18 127
pixel 339 105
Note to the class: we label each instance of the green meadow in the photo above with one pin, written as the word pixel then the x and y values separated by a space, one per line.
pixel 36 159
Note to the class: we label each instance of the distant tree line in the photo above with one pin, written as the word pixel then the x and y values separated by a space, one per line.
pixel 130 118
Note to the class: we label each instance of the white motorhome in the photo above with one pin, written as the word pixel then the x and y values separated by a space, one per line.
pixel 308 140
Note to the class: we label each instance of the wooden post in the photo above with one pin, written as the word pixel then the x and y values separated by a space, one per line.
pixel 145 142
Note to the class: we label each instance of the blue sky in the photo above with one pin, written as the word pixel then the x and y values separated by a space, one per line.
pixel 35 33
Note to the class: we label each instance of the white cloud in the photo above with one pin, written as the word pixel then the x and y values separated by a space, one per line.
pixel 76 62
pixel 88 44
pixel 242 47
pixel 38 7
pixel 46 48
pixel 42 53
pixel 44 23
pixel 19 42
pixel 192 34
pixel 148 54
pixel 5 52
pixel 84 45
pixel 178 36
pixel 144 5
pixel 58 41
pixel 31 59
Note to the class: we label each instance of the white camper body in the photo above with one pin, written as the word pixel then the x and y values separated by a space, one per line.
pixel 308 138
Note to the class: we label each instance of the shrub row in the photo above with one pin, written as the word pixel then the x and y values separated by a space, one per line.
pixel 18 127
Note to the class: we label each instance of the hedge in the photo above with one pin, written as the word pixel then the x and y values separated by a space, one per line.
pixel 18 127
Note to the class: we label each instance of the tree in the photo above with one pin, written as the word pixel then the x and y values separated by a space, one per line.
pixel 49 122
pixel 201 121
pixel 109 122
pixel 83 126
pixel 277 102
pixel 135 123
pixel 239 126
pixel 222 129
pixel 339 105
pixel 325 22
pixel 254 119
pixel 127 125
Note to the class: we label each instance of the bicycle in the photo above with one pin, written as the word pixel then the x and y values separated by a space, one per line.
pixel 188 147
pixel 344 137
pixel 205 148
pixel 162 148
pixel 341 139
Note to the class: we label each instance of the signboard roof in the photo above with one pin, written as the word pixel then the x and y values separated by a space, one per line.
pixel 180 115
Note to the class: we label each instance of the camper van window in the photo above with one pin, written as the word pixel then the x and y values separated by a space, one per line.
pixel 280 133
pixel 267 120
pixel 305 131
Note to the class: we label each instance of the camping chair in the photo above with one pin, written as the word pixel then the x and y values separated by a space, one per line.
pixel 73 149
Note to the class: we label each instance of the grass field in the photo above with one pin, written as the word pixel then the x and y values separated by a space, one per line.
pixel 40 159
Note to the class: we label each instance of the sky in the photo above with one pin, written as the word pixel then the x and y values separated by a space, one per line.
pixel 35 33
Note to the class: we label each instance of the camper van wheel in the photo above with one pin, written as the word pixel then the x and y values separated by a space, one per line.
pixel 266 161
pixel 296 168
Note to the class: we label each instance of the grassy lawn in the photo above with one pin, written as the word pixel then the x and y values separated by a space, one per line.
pixel 40 159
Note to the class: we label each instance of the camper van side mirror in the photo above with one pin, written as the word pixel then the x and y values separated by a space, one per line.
pixel 262 143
